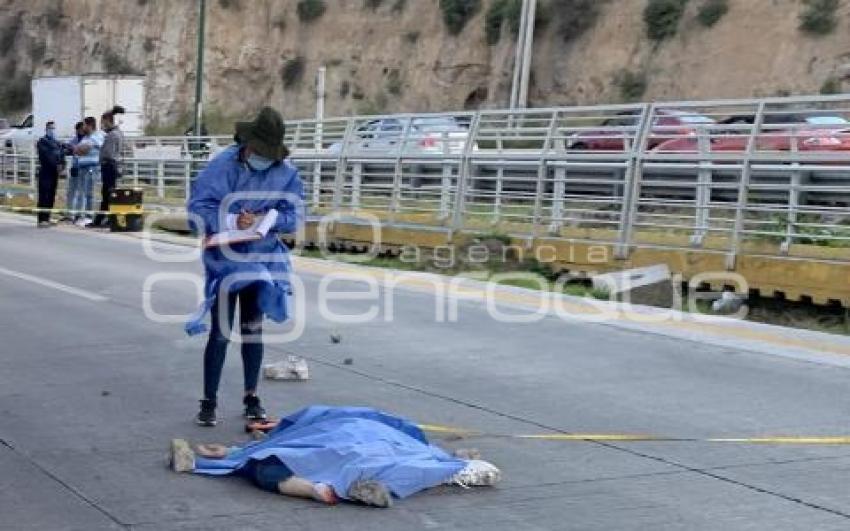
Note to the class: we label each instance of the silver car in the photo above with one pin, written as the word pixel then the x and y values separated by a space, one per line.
pixel 426 136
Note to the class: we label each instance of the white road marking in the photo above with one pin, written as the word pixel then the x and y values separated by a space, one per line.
pixel 88 295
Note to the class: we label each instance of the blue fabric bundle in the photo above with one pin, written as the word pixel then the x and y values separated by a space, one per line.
pixel 341 445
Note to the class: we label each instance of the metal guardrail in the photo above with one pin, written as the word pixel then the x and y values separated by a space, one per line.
pixel 714 176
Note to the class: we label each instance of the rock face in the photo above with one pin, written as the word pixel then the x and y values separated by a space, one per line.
pixel 397 55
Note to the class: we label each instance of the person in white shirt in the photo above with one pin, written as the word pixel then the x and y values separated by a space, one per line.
pixel 88 160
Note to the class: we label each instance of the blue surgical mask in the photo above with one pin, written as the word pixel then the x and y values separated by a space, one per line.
pixel 258 163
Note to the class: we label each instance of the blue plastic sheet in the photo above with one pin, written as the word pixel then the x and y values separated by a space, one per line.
pixel 341 445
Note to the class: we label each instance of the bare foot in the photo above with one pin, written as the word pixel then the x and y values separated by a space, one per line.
pixel 324 493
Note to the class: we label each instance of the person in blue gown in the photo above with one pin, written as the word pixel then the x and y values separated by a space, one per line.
pixel 252 194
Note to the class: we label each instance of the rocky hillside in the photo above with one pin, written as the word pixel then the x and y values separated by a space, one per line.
pixel 421 55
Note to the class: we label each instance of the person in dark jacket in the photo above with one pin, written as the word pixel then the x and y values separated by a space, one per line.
pixel 110 156
pixel 51 159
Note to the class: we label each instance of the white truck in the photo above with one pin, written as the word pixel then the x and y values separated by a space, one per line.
pixel 66 100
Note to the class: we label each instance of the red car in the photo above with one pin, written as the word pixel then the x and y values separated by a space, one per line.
pixel 668 124
pixel 810 132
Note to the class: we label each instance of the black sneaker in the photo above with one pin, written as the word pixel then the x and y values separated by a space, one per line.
pixel 253 409
pixel 206 417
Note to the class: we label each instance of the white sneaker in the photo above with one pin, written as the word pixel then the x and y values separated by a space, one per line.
pixel 477 473
pixel 82 222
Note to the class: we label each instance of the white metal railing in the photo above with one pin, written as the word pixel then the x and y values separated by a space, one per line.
pixel 717 176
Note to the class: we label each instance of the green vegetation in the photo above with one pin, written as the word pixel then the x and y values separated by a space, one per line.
pixel 372 107
pixel 575 17
pixel 53 16
pixel 293 71
pixel 394 82
pixel 344 88
pixel 499 13
pixel 214 119
pixel 310 10
pixel 632 85
pixel 38 49
pixel 411 37
pixel 662 18
pixel 15 95
pixel 115 63
pixel 10 34
pixel 711 11
pixel 807 231
pixel 456 13
pixel 831 86
pixel 818 17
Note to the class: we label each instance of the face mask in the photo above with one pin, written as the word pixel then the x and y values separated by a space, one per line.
pixel 51 133
pixel 258 163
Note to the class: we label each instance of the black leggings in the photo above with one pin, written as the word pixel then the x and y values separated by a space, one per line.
pixel 250 325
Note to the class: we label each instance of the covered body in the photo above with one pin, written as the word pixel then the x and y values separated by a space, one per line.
pixel 341 445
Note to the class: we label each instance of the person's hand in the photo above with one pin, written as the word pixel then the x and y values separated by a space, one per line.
pixel 245 220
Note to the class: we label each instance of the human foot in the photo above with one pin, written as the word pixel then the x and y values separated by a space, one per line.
pixel 182 458
pixel 371 492
pixel 477 473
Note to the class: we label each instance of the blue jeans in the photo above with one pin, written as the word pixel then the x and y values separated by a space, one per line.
pixel 74 185
pixel 267 474
pixel 81 188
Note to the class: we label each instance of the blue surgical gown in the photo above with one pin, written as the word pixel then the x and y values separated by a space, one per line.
pixel 228 186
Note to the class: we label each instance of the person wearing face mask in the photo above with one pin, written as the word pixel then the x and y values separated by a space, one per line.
pixel 87 153
pixel 110 156
pixel 51 160
pixel 75 195
pixel 249 186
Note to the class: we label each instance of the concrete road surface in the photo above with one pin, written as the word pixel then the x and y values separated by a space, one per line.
pixel 92 390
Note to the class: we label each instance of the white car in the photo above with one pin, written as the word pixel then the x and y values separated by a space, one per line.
pixel 21 137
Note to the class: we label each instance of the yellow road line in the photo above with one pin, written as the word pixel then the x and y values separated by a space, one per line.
pixel 629 437
pixel 590 437
pixel 841 439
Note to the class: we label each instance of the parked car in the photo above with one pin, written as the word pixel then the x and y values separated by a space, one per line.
pixel 815 131
pixel 667 125
pixel 20 136
pixel 427 136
